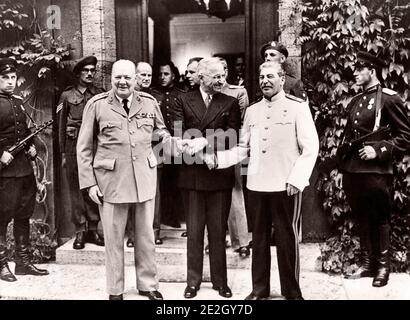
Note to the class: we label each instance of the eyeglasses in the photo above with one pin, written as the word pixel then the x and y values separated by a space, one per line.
pixel 217 76
pixel 85 70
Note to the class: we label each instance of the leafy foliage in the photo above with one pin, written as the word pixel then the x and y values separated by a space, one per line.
pixel 333 31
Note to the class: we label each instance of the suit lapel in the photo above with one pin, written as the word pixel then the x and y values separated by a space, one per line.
pixel 197 105
pixel 215 108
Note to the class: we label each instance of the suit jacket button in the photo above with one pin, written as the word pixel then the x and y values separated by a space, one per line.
pixel 131 132
pixel 134 158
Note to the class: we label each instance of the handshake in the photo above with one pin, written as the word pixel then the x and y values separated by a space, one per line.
pixel 192 147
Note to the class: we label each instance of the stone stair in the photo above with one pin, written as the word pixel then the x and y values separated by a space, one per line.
pixel 171 257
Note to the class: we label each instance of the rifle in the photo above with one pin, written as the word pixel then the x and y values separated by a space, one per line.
pixel 19 146
pixel 348 149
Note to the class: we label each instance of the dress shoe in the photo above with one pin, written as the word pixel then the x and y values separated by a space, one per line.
pixel 253 296
pixel 243 252
pixel 190 292
pixel 224 291
pixel 94 237
pixel 184 234
pixel 152 295
pixel 116 297
pixel 6 274
pixel 29 269
pixel 130 243
pixel 158 241
pixel 79 242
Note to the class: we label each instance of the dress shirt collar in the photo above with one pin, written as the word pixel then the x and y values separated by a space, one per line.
pixel 204 94
pixel 129 99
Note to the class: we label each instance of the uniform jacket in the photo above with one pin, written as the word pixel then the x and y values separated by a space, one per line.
pixel 280 139
pixel 122 164
pixel 238 92
pixel 70 113
pixel 362 119
pixel 13 128
pixel 222 114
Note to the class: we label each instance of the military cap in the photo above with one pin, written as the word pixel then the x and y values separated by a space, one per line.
pixel 274 45
pixel 84 62
pixel 7 65
pixel 365 59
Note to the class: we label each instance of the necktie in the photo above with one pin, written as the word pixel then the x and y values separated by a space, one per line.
pixel 125 104
pixel 207 100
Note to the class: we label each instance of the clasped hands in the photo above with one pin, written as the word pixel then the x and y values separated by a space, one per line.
pixel 191 146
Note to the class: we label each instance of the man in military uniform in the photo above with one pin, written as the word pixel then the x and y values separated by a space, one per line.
pixel 171 202
pixel 280 139
pixel 17 181
pixel 276 52
pixel 70 112
pixel 120 174
pixel 368 169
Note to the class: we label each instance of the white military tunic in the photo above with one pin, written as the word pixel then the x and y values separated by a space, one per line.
pixel 282 140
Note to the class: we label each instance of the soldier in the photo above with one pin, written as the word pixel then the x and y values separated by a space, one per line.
pixel 17 181
pixel 277 52
pixel 85 214
pixel 368 171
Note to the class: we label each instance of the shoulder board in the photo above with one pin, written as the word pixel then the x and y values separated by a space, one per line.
pixel 234 86
pixel 17 97
pixel 146 95
pixel 292 97
pixel 388 91
pixel 69 87
pixel 99 96
pixel 180 90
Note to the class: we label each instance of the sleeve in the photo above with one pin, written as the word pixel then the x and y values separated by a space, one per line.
pixel 161 132
pixel 239 153
pixel 394 114
pixel 62 122
pixel 243 102
pixel 308 142
pixel 85 147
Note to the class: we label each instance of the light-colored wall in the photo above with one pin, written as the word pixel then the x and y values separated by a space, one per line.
pixel 197 35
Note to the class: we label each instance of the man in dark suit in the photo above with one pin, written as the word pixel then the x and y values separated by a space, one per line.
pixel 368 170
pixel 207 194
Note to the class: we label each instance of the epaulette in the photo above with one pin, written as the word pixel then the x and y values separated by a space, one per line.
pixel 99 96
pixel 292 97
pixel 17 97
pixel 146 95
pixel 235 86
pixel 388 91
pixel 69 87
pixel 180 90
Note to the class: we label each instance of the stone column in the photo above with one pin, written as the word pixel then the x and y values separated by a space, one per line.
pixel 98 35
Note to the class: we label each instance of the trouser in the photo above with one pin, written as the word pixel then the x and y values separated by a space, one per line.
pixel 17 201
pixel 172 210
pixel 84 210
pixel 284 212
pixel 211 209
pixel 237 224
pixel 114 218
pixel 369 196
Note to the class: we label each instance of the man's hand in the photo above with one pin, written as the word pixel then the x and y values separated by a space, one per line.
pixel 95 194
pixel 209 160
pixel 291 190
pixel 182 145
pixel 196 145
pixel 32 152
pixel 367 153
pixel 6 158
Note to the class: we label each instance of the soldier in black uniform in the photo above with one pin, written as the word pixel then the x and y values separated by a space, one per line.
pixel 166 94
pixel 85 213
pixel 368 169
pixel 17 181
pixel 277 52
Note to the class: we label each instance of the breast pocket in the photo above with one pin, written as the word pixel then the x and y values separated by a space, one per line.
pixel 75 107
pixel 145 125
pixel 284 132
pixel 110 131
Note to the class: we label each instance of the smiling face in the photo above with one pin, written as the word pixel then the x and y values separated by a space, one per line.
pixel 144 76
pixel 8 82
pixel 123 78
pixel 212 76
pixel 271 79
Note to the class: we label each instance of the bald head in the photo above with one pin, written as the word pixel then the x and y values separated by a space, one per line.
pixel 123 78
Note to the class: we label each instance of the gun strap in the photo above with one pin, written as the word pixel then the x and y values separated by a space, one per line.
pixel 378 108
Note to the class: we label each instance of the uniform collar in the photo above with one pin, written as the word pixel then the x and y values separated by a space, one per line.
pixel 372 88
pixel 276 97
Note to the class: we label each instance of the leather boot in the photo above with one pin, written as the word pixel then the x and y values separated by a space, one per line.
pixel 5 272
pixel 23 264
pixel 366 268
pixel 383 262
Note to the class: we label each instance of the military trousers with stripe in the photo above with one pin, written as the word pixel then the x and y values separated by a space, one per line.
pixel 284 212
